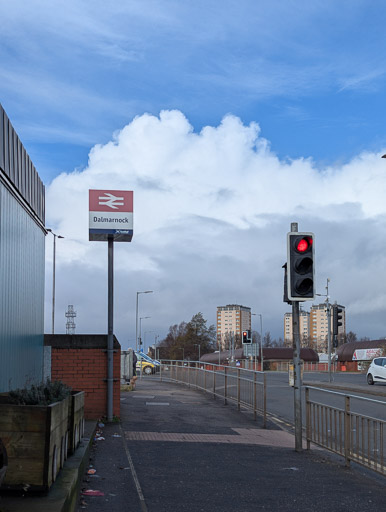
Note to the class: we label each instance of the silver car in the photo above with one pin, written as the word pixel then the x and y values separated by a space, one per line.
pixel 377 370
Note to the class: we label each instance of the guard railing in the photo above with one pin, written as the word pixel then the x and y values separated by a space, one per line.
pixel 246 388
pixel 354 436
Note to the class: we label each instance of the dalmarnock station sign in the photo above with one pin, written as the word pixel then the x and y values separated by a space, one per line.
pixel 110 215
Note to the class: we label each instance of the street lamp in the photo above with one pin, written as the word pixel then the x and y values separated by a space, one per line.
pixel 53 278
pixel 136 319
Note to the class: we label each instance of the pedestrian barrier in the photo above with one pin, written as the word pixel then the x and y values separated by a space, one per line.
pixel 246 388
pixel 356 437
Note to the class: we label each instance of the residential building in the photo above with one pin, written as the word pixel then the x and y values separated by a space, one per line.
pixel 22 255
pixel 231 321
pixel 313 328
pixel 319 327
pixel 304 321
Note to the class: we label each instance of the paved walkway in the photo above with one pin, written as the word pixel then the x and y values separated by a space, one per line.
pixel 178 449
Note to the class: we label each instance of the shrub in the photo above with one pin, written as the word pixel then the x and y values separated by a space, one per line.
pixel 43 394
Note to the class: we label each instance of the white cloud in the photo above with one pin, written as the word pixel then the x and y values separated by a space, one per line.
pixel 212 210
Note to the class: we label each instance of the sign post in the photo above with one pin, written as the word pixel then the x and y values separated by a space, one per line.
pixel 110 219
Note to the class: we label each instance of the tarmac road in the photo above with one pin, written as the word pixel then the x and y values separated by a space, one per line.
pixel 178 449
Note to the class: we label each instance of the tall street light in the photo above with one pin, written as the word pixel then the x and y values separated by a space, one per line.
pixel 136 319
pixel 53 278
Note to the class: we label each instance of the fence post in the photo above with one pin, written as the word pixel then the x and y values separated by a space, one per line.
pixel 160 371
pixel 225 386
pixel 214 381
pixel 189 374
pixel 238 388
pixel 308 419
pixel 347 433
pixel 204 378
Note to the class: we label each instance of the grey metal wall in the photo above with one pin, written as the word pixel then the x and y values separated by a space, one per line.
pixel 22 239
pixel 18 168
pixel 21 295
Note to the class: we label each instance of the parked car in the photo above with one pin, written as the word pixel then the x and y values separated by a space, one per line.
pixel 148 364
pixel 377 370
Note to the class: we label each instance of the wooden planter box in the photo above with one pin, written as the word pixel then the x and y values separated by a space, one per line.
pixel 34 438
pixel 75 421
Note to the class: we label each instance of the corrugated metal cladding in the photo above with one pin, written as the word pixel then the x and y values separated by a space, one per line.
pixel 17 166
pixel 22 240
pixel 21 295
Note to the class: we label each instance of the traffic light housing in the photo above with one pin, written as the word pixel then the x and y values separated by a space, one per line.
pixel 337 318
pixel 300 266
pixel 247 338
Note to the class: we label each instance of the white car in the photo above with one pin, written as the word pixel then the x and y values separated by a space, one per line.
pixel 377 370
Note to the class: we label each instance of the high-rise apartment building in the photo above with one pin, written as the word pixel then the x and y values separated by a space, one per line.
pixel 319 326
pixel 304 321
pixel 313 328
pixel 231 321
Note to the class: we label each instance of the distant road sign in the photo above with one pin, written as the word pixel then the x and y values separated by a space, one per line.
pixel 111 215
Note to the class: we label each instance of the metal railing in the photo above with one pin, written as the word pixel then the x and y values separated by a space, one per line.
pixel 246 388
pixel 354 436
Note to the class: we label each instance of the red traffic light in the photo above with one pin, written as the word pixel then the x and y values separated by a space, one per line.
pixel 304 244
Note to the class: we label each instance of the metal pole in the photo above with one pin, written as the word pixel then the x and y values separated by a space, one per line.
pixel 297 368
pixel 53 286
pixel 136 324
pixel 261 343
pixel 329 340
pixel 297 377
pixel 110 330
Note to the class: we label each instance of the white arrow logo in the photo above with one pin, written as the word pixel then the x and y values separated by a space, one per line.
pixel 111 201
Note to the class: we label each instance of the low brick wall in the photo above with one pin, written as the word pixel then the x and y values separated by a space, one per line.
pixel 80 361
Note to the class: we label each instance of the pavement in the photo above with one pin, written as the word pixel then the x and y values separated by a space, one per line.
pixel 178 449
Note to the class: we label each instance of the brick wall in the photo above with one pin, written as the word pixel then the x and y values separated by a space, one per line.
pixel 83 367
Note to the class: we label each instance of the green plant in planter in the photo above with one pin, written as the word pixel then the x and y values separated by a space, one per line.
pixel 34 430
pixel 42 394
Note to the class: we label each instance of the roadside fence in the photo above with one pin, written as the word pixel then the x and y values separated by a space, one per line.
pixel 246 388
pixel 356 437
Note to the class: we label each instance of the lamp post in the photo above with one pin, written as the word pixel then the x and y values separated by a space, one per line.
pixel 53 278
pixel 136 319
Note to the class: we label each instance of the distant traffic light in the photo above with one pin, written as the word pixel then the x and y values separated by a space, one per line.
pixel 300 266
pixel 247 338
pixel 337 318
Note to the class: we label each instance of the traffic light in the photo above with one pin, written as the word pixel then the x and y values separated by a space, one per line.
pixel 337 318
pixel 247 338
pixel 300 266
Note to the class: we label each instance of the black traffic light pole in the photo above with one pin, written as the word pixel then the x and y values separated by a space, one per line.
pixel 297 368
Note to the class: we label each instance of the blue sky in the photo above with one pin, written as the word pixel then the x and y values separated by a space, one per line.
pixel 312 74
pixel 304 85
